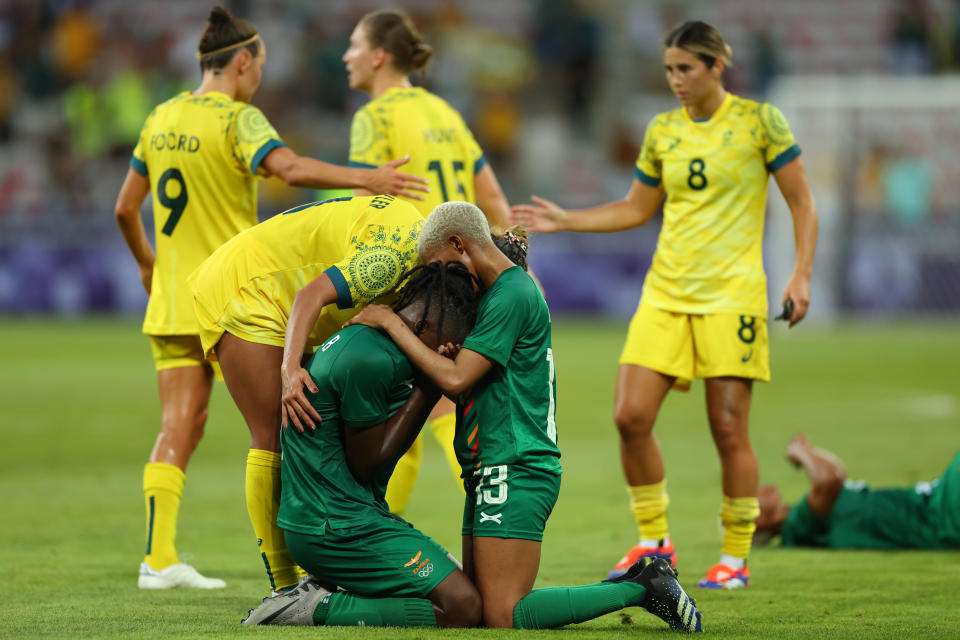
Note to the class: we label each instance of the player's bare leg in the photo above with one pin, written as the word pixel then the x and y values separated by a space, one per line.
pixel 184 396
pixel 504 570
pixel 728 411
pixel 640 392
pixel 825 470
pixel 252 374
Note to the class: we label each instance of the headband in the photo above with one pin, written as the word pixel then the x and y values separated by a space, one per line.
pixel 201 55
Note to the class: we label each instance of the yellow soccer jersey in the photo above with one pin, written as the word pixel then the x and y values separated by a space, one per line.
pixel 202 155
pixel 416 122
pixel 709 255
pixel 363 244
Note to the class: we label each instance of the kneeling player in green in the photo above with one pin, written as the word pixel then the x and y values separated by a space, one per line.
pixel 336 522
pixel 841 514
pixel 506 440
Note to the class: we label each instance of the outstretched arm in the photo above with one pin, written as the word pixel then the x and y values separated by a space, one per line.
pixel 792 180
pixel 825 470
pixel 453 377
pixel 639 205
pixel 127 213
pixel 301 171
pixel 367 450
pixel 490 197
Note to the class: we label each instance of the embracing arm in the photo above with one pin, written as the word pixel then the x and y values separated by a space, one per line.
pixel 367 450
pixel 792 181
pixel 301 171
pixel 452 376
pixel 303 316
pixel 127 213
pixel 639 205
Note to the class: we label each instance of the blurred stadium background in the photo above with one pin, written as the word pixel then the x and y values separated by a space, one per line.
pixel 558 93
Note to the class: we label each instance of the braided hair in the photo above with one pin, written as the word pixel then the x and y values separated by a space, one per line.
pixel 447 289
pixel 513 243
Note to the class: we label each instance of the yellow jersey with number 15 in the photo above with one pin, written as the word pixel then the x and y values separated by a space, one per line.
pixel 709 256
pixel 414 121
pixel 202 155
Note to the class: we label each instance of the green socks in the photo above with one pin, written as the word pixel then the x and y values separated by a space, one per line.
pixel 558 606
pixel 346 609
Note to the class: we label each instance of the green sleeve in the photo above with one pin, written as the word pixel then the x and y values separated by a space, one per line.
pixel 362 377
pixel 500 320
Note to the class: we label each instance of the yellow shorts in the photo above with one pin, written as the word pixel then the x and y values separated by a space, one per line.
pixel 691 346
pixel 171 352
pixel 258 312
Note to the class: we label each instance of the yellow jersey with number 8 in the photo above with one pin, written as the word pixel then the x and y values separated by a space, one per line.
pixel 414 121
pixel 202 155
pixel 709 256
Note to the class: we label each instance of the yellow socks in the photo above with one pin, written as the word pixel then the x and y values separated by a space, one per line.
pixel 162 489
pixel 263 503
pixel 443 429
pixel 739 516
pixel 404 477
pixel 649 506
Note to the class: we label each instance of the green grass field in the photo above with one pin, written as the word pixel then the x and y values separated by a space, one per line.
pixel 79 413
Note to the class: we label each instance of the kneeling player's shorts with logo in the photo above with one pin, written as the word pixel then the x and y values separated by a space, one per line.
pixel 690 346
pixel 387 557
pixel 509 501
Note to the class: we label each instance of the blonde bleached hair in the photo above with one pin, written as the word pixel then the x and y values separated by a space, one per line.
pixel 462 218
pixel 702 40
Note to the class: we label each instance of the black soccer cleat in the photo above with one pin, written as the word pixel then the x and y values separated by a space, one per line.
pixel 665 598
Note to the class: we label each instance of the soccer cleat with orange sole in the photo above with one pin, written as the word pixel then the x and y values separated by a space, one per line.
pixel 666 552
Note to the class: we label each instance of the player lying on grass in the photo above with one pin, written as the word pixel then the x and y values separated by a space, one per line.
pixel 506 440
pixel 842 514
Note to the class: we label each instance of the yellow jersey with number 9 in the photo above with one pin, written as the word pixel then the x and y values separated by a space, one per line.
pixel 202 155
pixel 414 121
pixel 709 256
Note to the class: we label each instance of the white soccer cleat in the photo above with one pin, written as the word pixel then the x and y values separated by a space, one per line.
pixel 176 575
pixel 294 607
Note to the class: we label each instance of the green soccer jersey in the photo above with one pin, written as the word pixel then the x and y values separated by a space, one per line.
pixel 362 380
pixel 508 416
pixel 926 516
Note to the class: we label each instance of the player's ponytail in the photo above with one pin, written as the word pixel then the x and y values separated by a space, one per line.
pixel 223 38
pixel 702 40
pixel 513 243
pixel 394 32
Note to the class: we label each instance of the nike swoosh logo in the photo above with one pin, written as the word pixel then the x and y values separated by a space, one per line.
pixel 276 613
pixel 747 357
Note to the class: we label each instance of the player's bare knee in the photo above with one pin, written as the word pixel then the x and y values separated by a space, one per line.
pixel 633 421
pixel 460 603
pixel 498 615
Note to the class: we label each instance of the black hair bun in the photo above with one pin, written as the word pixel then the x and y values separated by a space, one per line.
pixel 219 15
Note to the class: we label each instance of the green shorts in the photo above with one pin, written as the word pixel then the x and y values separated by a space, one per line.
pixel 385 558
pixel 509 501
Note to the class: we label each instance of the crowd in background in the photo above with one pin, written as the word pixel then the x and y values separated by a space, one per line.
pixel 548 86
